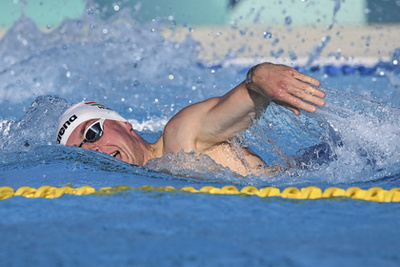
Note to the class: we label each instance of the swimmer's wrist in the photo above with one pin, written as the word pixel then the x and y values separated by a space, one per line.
pixel 249 76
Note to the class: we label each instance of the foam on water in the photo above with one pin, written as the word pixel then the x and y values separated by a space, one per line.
pixel 132 69
pixel 363 135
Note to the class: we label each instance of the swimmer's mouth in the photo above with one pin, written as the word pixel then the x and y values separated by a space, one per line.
pixel 115 154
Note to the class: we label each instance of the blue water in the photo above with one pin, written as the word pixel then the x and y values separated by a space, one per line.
pixel 133 70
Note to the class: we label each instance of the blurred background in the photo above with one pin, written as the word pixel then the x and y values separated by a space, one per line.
pixel 244 29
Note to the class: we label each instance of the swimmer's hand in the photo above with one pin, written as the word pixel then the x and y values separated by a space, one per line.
pixel 286 87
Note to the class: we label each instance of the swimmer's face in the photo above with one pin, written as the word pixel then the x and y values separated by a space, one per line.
pixel 118 140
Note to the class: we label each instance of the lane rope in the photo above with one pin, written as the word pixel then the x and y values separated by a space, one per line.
pixel 376 194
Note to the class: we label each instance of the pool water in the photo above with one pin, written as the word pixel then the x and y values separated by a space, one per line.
pixel 353 141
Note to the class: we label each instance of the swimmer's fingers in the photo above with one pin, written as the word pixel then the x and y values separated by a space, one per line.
pixel 307 93
pixel 307 79
pixel 294 104
pixel 304 82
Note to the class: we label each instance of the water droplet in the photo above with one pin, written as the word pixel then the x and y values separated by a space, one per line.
pixel 288 20
pixel 292 55
pixel 275 41
pixel 267 35
pixel 171 77
pixel 277 53
pixel 116 7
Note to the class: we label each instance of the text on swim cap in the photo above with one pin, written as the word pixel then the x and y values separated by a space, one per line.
pixel 64 127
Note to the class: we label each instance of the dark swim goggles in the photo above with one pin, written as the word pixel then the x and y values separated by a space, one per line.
pixel 94 132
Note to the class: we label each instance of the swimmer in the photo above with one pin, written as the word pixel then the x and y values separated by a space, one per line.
pixel 205 127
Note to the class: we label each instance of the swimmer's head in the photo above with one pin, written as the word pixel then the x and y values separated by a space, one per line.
pixel 82 112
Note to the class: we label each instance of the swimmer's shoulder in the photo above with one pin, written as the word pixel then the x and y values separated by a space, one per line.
pixel 185 129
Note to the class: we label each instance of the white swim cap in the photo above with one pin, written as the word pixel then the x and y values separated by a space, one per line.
pixel 82 112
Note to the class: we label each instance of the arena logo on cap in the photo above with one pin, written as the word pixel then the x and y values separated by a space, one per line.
pixel 95 104
pixel 64 127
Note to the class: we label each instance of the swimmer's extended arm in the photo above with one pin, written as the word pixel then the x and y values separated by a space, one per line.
pixel 206 124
